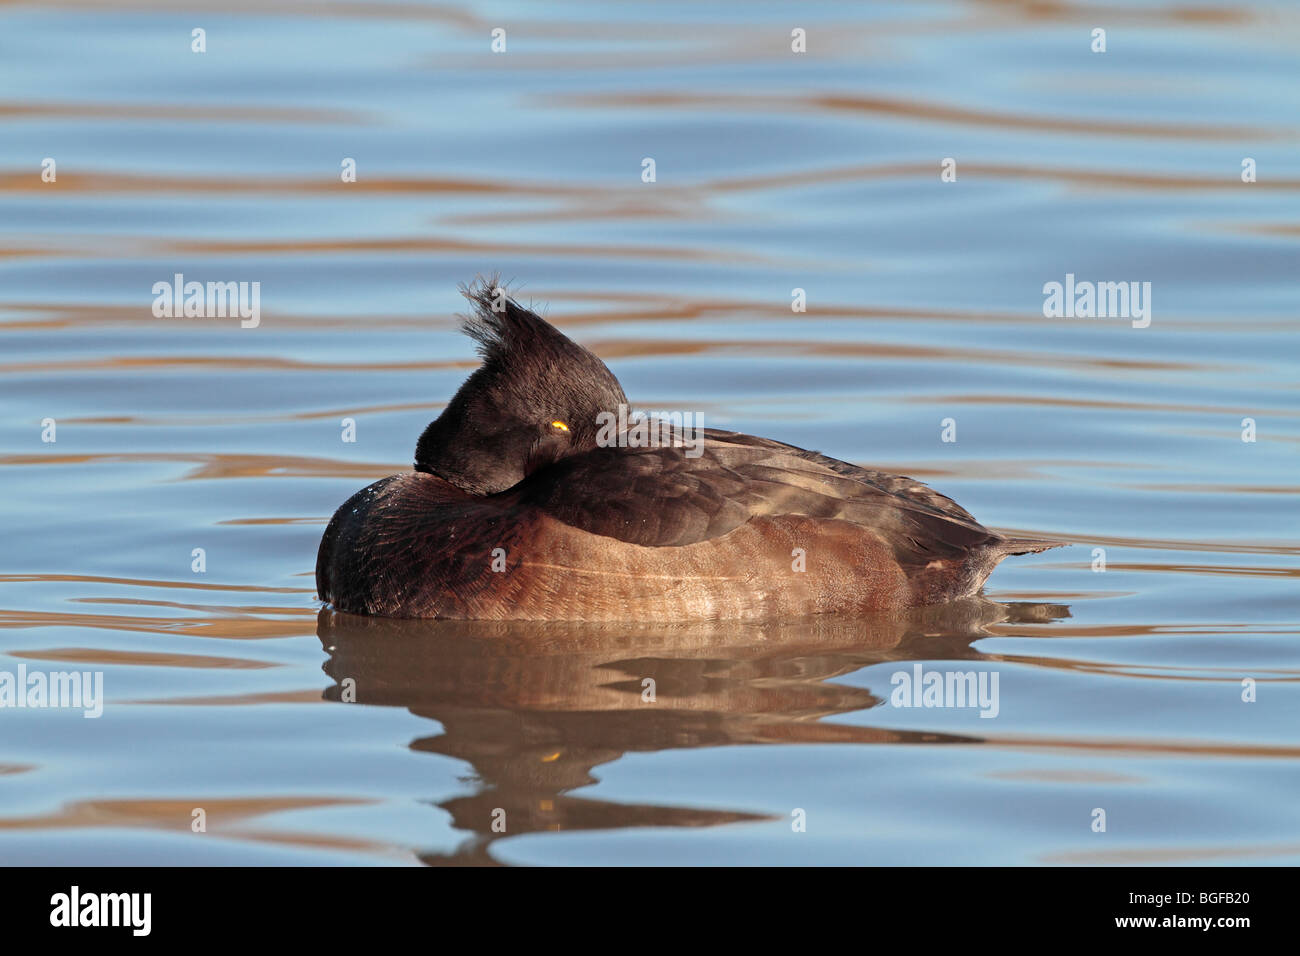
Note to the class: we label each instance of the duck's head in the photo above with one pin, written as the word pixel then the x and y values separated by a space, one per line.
pixel 534 400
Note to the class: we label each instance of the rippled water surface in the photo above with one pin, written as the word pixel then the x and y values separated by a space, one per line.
pixel 226 690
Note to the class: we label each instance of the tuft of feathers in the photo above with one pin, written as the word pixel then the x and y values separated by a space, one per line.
pixel 503 329
pixel 537 366
pixel 498 427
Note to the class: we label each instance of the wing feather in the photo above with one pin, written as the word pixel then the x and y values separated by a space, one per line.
pixel 662 497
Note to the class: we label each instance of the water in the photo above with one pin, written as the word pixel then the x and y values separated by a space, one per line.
pixel 1120 691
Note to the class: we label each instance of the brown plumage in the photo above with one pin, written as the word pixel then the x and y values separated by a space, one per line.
pixel 513 475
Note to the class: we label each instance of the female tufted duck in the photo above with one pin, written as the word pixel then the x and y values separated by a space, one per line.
pixel 525 505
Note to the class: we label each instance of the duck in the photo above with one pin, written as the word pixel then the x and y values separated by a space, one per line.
pixel 528 502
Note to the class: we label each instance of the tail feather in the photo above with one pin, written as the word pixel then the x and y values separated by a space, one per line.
pixel 1026 545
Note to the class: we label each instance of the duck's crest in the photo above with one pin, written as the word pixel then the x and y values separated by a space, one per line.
pixel 504 329
pixel 530 367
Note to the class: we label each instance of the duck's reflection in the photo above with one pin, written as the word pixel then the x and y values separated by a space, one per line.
pixel 534 708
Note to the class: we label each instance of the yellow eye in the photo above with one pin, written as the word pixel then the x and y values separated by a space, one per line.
pixel 560 425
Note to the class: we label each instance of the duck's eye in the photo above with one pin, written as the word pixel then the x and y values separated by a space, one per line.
pixel 560 425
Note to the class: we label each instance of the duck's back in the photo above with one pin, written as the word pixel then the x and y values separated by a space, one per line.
pixel 749 529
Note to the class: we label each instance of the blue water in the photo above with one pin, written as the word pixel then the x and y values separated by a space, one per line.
pixel 1119 689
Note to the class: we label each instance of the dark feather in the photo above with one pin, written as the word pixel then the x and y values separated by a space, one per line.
pixel 659 497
